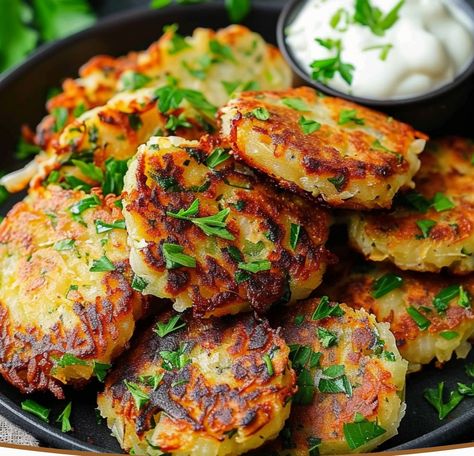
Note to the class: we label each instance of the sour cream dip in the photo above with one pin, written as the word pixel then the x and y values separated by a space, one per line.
pixel 382 49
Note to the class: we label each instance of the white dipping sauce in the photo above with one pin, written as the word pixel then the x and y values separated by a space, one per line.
pixel 430 44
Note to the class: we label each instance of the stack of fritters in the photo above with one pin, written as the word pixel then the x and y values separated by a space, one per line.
pixel 224 215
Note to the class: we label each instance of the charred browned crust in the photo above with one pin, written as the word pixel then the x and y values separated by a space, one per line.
pixel 29 351
pixel 260 206
pixel 193 399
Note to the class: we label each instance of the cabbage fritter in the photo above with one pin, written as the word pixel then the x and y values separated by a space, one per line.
pixel 430 315
pixel 67 307
pixel 200 387
pixel 432 227
pixel 328 148
pixel 207 233
pixel 209 66
pixel 351 380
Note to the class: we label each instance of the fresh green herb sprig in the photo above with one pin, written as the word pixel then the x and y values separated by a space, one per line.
pixel 325 69
pixel 372 17
pixel 435 396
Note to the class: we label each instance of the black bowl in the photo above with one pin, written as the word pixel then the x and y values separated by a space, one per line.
pixel 428 112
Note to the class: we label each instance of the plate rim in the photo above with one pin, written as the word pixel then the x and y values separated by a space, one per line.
pixel 50 434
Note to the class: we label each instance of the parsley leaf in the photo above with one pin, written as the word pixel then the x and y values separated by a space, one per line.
pixel 63 418
pixel 326 337
pixel 425 226
pixel 372 17
pixel 466 390
pixel 308 126
pixel 218 156
pixel 442 203
pixel 173 324
pixel 36 409
pixel 422 322
pixel 100 370
pixel 237 9
pixel 446 295
pixel 103 264
pixel 350 115
pixel 261 114
pixel 138 283
pixel 175 359
pixel 138 395
pixel 325 310
pixel 132 80
pixel 435 397
pixel 174 257
pixel 325 69
pixel 104 227
pixel 361 431
pixel 64 244
pixel 295 103
pixel 221 50
pixel 385 284
pixel 256 266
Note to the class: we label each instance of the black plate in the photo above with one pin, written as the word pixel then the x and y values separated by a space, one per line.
pixel 22 95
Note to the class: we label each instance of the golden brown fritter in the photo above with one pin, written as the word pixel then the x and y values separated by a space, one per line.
pixel 207 233
pixel 324 147
pixel 430 315
pixel 210 65
pixel 66 304
pixel 200 387
pixel 350 376
pixel 432 227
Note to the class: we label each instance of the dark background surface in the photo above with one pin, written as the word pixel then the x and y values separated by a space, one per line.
pixel 422 416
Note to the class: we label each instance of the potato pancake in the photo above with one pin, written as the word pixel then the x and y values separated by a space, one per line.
pixel 67 307
pixel 207 233
pixel 351 380
pixel 200 387
pixel 328 148
pixel 432 227
pixel 210 65
pixel 430 315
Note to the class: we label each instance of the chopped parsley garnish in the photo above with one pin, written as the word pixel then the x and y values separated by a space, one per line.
pixel 64 244
pixel 104 227
pixel 241 276
pixel 295 103
pixel 372 17
pixel 84 204
pixel 466 390
pixel 377 145
pixel 213 225
pixel 60 118
pixel 295 232
pixel 389 356
pixel 303 356
pixel 132 80
pixel 442 203
pixel 340 20
pixel 237 9
pixel 89 170
pixel 218 156
pixel 425 226
pixel 103 264
pixel 138 283
pixel 469 368
pixel 350 116
pixel 115 171
pixel 152 380
pixel 386 284
pixel 435 397
pixel 36 409
pixel 175 359
pixel 177 42
pixel 325 69
pixel 325 310
pixel 361 431
pixel 140 397
pixel 100 370
pixel 421 321
pixel 63 418
pixel 299 319
pixel 261 113
pixel 449 335
pixel 334 381
pixel 306 388
pixel 326 337
pixel 308 126
pixel 253 248
pixel 234 253
pixel 268 364
pixel 338 181
pixel 174 257
pixel 384 50
pixel 70 360
pixel 168 183
pixel 221 50
pixel 79 110
pixel 256 266
pixel 172 325
pixel 174 122
pixel 446 295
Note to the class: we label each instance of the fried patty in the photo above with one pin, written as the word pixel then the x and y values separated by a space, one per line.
pixel 433 227
pixel 351 378
pixel 214 64
pixel 324 147
pixel 207 233
pixel 66 304
pixel 192 387
pixel 430 315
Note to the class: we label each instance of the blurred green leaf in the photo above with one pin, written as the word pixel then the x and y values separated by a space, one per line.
pixel 16 39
